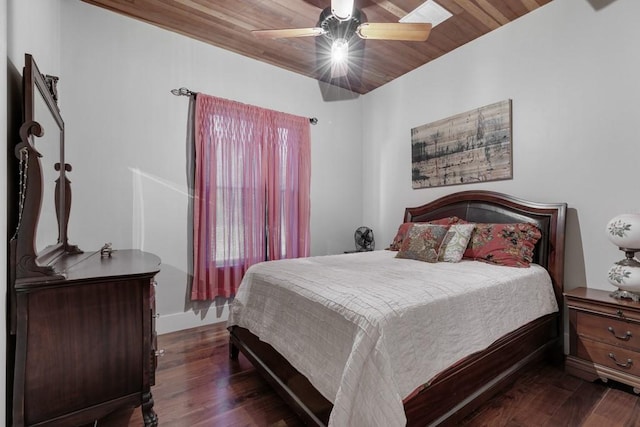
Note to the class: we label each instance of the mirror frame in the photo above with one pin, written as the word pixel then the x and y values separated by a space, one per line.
pixel 31 265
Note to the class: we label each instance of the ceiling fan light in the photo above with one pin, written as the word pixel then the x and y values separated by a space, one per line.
pixel 342 9
pixel 339 58
pixel 340 51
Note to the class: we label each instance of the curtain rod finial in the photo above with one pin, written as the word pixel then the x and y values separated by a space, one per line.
pixel 313 120
pixel 183 91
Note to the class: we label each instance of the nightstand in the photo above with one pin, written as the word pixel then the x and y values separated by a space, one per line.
pixel 604 337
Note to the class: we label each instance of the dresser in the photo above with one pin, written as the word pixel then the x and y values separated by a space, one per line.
pixel 81 337
pixel 86 344
pixel 604 335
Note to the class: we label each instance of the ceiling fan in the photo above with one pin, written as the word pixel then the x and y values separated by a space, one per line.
pixel 340 22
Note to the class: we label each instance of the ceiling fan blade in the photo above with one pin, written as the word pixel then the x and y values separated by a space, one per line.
pixel 288 32
pixel 417 32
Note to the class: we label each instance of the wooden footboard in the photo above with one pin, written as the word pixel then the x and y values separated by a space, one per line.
pixel 451 395
pixel 462 388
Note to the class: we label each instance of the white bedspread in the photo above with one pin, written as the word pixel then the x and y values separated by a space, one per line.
pixel 367 329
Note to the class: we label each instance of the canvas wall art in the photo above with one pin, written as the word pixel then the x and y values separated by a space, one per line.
pixel 469 147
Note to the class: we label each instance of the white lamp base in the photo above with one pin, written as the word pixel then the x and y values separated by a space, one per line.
pixel 621 294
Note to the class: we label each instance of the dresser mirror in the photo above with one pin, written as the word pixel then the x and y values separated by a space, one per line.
pixel 51 147
pixel 44 194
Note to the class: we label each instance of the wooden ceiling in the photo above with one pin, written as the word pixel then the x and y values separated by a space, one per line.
pixel 228 24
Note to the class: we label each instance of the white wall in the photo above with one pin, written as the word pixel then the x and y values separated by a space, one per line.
pixel 572 73
pixel 126 142
pixel 34 27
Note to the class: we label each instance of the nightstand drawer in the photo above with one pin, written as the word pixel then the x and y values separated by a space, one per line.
pixel 617 358
pixel 619 311
pixel 608 330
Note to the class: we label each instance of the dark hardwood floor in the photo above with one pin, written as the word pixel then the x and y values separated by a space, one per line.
pixel 198 385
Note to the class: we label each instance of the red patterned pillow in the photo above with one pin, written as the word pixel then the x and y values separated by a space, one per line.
pixel 503 244
pixel 422 242
pixel 400 235
pixel 404 228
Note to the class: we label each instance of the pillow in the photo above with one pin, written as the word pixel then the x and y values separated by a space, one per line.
pixel 400 235
pixel 404 227
pixel 423 242
pixel 503 244
pixel 455 242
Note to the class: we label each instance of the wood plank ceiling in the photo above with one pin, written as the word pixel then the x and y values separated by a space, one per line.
pixel 228 23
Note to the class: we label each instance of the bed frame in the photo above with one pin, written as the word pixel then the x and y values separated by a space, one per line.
pixel 463 387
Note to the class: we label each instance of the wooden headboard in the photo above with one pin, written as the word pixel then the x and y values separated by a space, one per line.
pixel 490 207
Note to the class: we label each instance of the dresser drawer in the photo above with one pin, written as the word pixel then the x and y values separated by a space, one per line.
pixel 617 358
pixel 608 330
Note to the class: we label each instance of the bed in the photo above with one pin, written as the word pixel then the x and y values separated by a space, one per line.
pixel 443 397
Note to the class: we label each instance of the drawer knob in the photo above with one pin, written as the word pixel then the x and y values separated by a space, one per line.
pixel 625 337
pixel 622 365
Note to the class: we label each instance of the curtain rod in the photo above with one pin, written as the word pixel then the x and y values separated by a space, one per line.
pixel 183 91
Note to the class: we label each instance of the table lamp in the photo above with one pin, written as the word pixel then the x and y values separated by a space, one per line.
pixel 624 231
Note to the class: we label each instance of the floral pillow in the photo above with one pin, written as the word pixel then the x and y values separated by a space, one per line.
pixel 404 228
pixel 503 244
pixel 455 242
pixel 423 242
pixel 400 235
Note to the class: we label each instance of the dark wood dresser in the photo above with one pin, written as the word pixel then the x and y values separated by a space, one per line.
pixel 604 337
pixel 81 340
pixel 86 345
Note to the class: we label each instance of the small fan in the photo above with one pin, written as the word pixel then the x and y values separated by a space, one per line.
pixel 364 239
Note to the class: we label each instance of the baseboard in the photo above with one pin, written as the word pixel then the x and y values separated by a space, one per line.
pixel 178 321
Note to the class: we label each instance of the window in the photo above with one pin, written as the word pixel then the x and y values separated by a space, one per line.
pixel 251 199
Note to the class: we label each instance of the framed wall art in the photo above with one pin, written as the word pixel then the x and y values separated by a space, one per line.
pixel 474 146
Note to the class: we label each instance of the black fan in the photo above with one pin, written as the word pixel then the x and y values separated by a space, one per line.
pixel 364 239
pixel 339 24
pixel 334 26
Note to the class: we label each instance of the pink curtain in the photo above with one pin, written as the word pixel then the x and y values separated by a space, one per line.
pixel 251 200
